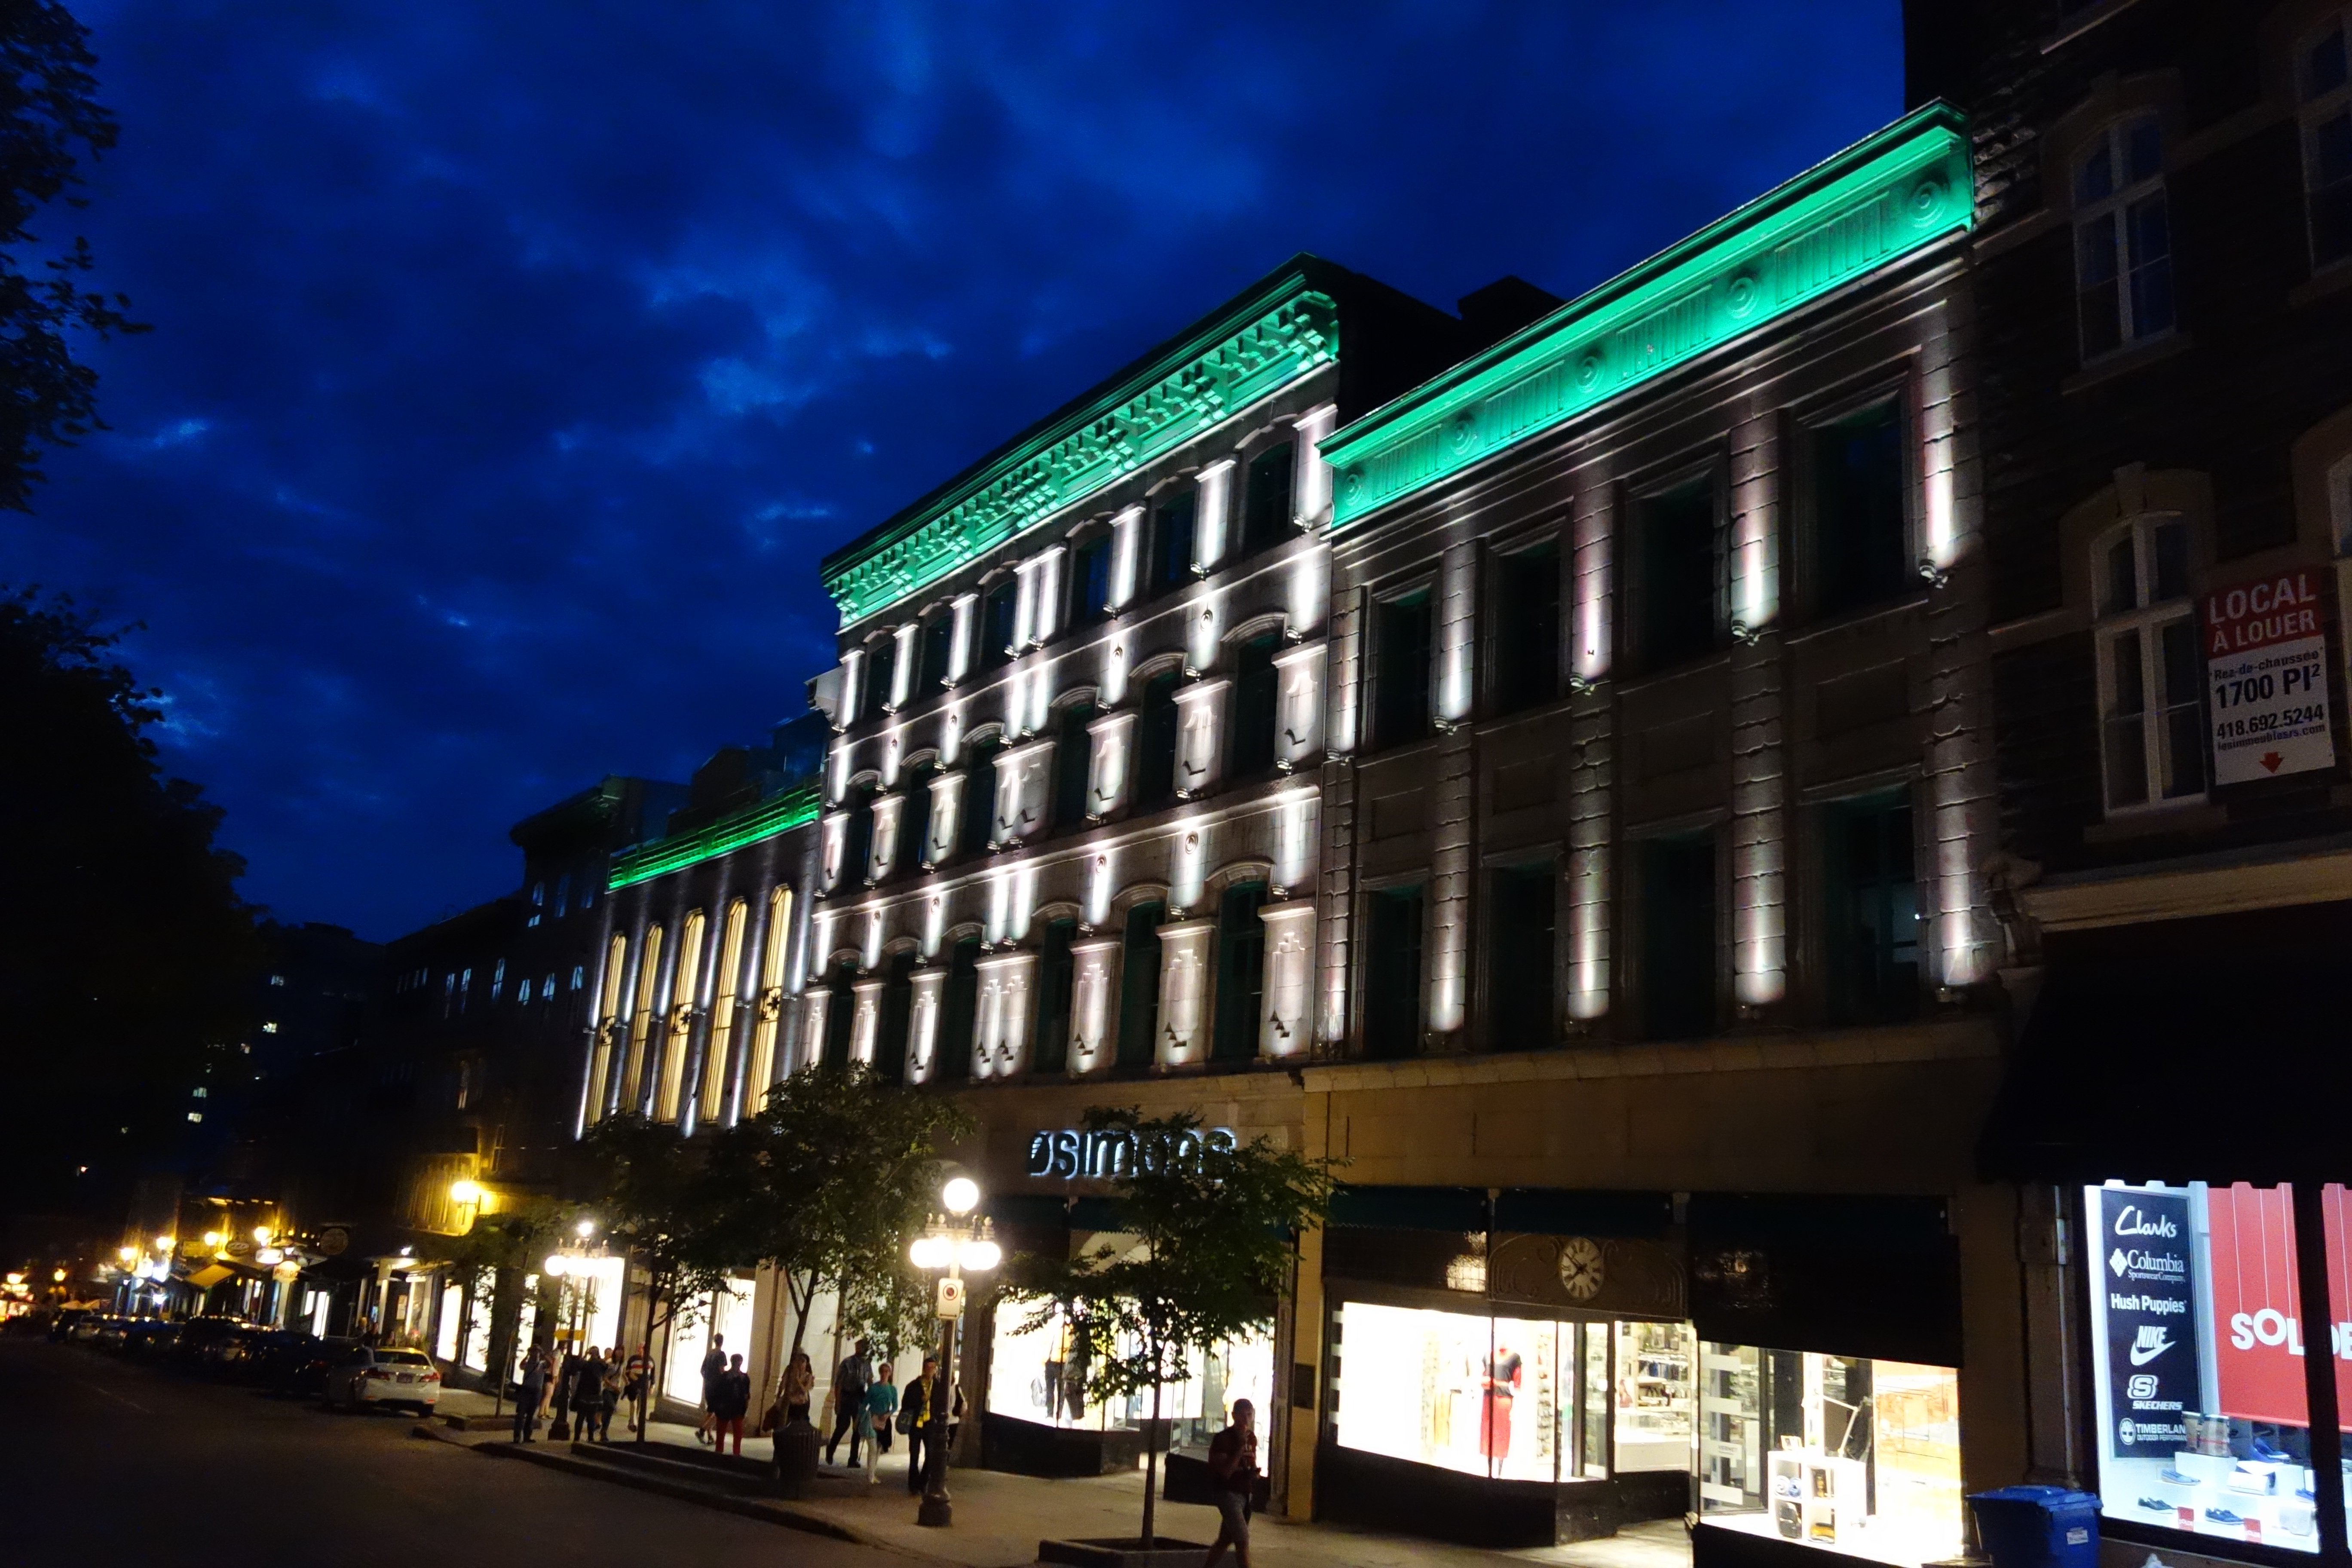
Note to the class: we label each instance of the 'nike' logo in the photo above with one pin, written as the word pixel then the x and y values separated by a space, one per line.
pixel 2143 1354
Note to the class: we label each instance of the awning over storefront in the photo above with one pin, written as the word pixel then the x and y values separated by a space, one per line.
pixel 2216 1049
pixel 1847 1276
pixel 1452 1209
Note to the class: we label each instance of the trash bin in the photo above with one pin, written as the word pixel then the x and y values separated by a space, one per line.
pixel 2038 1527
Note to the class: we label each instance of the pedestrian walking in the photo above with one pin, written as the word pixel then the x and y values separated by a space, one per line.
pixel 914 1420
pixel 559 1394
pixel 636 1385
pixel 608 1398
pixel 800 1387
pixel 851 1379
pixel 587 1395
pixel 532 1387
pixel 731 1397
pixel 714 1364
pixel 881 1409
pixel 1233 1473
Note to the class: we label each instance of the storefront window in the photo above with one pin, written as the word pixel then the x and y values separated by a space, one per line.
pixel 1855 1455
pixel 1039 1374
pixel 2197 1364
pixel 1511 1398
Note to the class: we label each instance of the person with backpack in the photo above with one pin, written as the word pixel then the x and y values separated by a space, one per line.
pixel 1232 1474
pixel 851 1379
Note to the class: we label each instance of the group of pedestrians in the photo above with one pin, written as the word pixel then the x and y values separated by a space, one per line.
pixel 585 1389
pixel 868 1408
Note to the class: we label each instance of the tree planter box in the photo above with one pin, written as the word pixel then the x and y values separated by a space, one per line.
pixel 1029 1449
pixel 1130 1552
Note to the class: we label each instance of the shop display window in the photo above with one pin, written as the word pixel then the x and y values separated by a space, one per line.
pixel 2197 1360
pixel 1039 1374
pixel 1856 1456
pixel 1511 1398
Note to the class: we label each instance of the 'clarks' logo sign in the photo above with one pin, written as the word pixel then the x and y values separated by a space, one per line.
pixel 2130 1221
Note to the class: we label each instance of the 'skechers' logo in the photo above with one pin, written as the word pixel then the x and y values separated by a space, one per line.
pixel 2152 1343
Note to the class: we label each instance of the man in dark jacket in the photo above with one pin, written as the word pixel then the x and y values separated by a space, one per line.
pixel 850 1382
pixel 714 1365
pixel 731 1400
pixel 915 1420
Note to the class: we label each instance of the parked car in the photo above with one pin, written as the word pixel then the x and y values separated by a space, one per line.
pixel 226 1355
pixel 64 1323
pixel 111 1332
pixel 368 1375
pixel 198 1335
pixel 302 1368
pixel 265 1362
pixel 86 1329
pixel 151 1336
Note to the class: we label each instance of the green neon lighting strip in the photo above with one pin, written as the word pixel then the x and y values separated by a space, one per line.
pixel 792 809
pixel 1882 198
pixel 1284 331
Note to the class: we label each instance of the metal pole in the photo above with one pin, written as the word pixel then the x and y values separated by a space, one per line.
pixel 938 1510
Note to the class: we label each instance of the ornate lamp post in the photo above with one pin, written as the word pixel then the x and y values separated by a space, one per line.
pixel 954 1243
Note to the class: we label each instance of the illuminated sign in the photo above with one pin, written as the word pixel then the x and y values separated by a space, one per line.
pixel 1071 1153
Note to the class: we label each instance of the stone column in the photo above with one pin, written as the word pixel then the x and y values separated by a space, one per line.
pixel 815 1003
pixel 1760 900
pixel 884 852
pixel 1591 768
pixel 943 786
pixel 923 1023
pixel 1094 1003
pixel 1024 780
pixel 835 827
pixel 866 1021
pixel 1285 1027
pixel 1299 711
pixel 1184 1024
pixel 1001 1047
pixel 1199 736
pixel 1112 738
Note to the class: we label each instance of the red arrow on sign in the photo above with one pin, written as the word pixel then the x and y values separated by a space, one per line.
pixel 2271 761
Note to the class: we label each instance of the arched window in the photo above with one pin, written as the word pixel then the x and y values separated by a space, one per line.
pixel 2123 237
pixel 610 1012
pixel 722 1013
pixel 1073 759
pixel 976 807
pixel 684 990
pixel 778 942
pixel 633 1076
pixel 2151 698
pixel 2323 70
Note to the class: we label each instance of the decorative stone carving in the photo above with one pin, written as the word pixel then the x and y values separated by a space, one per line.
pixel 1284 1026
pixel 1182 1033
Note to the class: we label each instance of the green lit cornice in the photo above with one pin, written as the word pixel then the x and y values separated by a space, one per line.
pixel 1271 336
pixel 782 814
pixel 1882 198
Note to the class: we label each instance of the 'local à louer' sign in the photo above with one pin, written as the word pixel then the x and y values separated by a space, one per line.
pixel 2266 663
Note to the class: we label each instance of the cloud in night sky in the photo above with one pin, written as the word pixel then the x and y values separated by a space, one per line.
pixel 514 364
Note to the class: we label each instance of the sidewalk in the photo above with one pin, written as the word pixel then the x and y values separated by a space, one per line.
pixel 1000 1518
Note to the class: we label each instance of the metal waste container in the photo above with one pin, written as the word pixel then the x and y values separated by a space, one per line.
pixel 2038 1527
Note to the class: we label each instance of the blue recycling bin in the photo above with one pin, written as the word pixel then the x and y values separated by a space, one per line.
pixel 2038 1527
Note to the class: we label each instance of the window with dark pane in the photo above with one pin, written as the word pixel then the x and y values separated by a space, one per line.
pixel 840 1014
pixel 858 839
pixel 915 816
pixel 881 670
pixel 1240 973
pixel 1138 986
pixel 1153 783
pixel 2123 238
pixel 1266 500
pixel 1172 526
pixel 938 642
pixel 1675 533
pixel 1526 628
pixel 1862 532
pixel 1400 649
pixel 2150 669
pixel 1090 582
pixel 896 1017
pixel 1520 959
pixel 1250 716
pixel 1072 757
pixel 1392 941
pixel 2325 91
pixel 1049 1045
pixel 1677 934
pixel 958 1012
pixel 997 607
pixel 1870 916
pixel 977 810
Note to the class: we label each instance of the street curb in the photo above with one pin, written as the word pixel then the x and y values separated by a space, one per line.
pixel 725 1502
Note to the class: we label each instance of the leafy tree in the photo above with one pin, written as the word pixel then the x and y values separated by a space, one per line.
pixel 501 1249
pixel 50 122
pixel 652 1190
pixel 831 1180
pixel 128 953
pixel 1206 1254
pixel 893 1305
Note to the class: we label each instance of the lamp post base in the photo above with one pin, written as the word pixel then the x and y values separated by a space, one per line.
pixel 937 1511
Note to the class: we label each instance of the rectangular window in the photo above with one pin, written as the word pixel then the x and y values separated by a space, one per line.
pixel 1049 1048
pixel 2325 90
pixel 1519 958
pixel 1153 783
pixel 1090 580
pixel 1240 973
pixel 2198 1360
pixel 1393 972
pixel 996 612
pixel 914 845
pixel 1870 914
pixel 1249 744
pixel 1677 544
pixel 1266 500
pixel 1679 978
pixel 1172 528
pixel 896 1018
pixel 1845 1453
pixel 1861 534
pixel 1139 987
pixel 977 809
pixel 2151 672
pixel 1072 761
pixel 2123 238
pixel 935 652
pixel 881 671
pixel 1526 653
pixel 1400 647
pixel 959 1014
pixel 858 837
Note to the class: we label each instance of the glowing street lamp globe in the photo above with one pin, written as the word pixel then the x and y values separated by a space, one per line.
pixel 558 1265
pixel 466 1191
pixel 979 1256
pixel 960 1195
pixel 931 1251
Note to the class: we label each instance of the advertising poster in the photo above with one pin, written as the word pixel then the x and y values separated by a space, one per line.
pixel 2146 1266
pixel 2267 668
pixel 2257 1315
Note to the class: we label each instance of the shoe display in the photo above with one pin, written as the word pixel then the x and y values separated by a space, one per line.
pixel 2263 1448
pixel 2253 1477
pixel 2221 1516
pixel 2173 1478
pixel 2155 1504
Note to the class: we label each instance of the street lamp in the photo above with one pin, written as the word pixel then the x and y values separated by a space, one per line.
pixel 954 1243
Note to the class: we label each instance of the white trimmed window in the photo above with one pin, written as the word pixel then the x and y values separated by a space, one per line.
pixel 2123 238
pixel 2151 696
pixel 2323 88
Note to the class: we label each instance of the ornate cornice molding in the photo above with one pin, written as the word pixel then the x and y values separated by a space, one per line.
pixel 1882 198
pixel 1212 374
pixel 793 809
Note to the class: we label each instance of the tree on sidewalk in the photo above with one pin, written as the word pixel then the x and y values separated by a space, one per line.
pixel 654 1190
pixel 1205 1254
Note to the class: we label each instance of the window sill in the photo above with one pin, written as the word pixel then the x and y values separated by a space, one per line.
pixel 2330 280
pixel 2123 361
pixel 2199 818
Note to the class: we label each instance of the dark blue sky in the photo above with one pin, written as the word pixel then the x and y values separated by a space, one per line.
pixel 514 362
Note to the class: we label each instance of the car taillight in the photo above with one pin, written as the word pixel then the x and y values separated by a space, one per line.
pixel 375 1372
pixel 430 1377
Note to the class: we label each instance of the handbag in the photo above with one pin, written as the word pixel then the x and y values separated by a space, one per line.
pixel 906 1422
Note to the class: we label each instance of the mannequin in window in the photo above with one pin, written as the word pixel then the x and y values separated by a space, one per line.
pixel 1503 1370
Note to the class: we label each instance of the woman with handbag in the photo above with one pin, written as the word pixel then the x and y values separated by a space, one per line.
pixel 881 1408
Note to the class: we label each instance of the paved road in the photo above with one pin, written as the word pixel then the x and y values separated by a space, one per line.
pixel 104 1462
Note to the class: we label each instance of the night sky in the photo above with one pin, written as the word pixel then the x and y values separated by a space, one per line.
pixel 514 362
